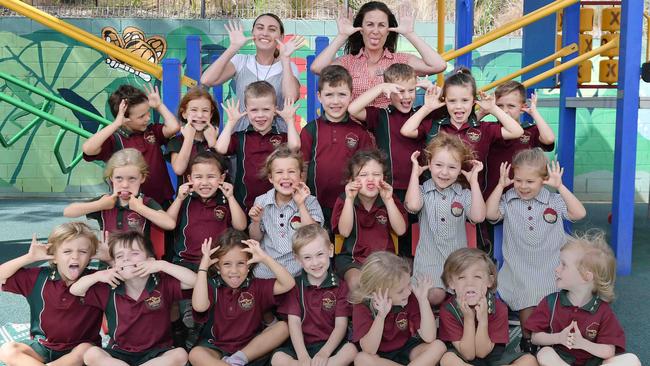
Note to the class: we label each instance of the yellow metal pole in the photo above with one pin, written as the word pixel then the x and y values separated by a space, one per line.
pixel 502 31
pixel 560 53
pixel 569 64
pixel 514 21
pixel 88 39
pixel 441 35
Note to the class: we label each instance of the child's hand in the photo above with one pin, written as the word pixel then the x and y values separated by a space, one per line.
pixel 38 251
pixel 288 48
pixel 381 302
pixel 257 254
pixel 210 134
pixel 233 114
pixel 504 175
pixel 136 202
pixel 143 269
pixel 319 360
pixel 121 111
pixel 421 288
pixel 153 96
pixel 188 131
pixel 206 259
pixel 472 175
pixel 184 190
pixel 532 106
pixel 103 253
pixel 305 361
pixel 566 337
pixel 109 276
pixel 481 309
pixel 576 339
pixel 352 189
pixel 406 22
pixel 486 102
pixel 416 163
pixel 288 112
pixel 107 202
pixel 468 312
pixel 389 88
pixel 554 175
pixel 227 189
pixel 424 83
pixel 385 191
pixel 300 193
pixel 344 22
pixel 433 98
pixel 236 34
pixel 255 213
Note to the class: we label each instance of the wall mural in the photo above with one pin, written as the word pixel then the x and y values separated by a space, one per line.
pixel 133 39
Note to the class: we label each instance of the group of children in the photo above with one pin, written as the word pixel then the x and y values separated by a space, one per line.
pixel 253 237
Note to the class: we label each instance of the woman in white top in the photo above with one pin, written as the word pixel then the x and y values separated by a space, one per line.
pixel 271 62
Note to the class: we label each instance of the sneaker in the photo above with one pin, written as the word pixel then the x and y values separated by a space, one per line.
pixel 526 345
pixel 232 361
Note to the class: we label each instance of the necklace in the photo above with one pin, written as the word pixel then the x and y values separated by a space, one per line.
pixel 257 75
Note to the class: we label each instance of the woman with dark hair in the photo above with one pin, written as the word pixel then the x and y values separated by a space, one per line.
pixel 370 44
pixel 271 62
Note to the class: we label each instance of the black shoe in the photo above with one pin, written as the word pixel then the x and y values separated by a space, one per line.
pixel 526 345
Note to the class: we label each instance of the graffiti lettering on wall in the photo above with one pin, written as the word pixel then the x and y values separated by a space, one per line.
pixel 133 39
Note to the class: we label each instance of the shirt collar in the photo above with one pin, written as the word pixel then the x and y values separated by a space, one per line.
pixel 378 202
pixel 543 196
pixel 217 198
pixel 591 305
pixel 345 119
pixel 219 282
pixel 472 121
pixel 429 186
pixel 392 110
pixel 152 282
pixel 126 133
pixel 386 54
pixel 268 198
pixel 331 280
pixel 273 131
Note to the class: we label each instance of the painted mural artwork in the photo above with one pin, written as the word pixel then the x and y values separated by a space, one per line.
pixel 133 39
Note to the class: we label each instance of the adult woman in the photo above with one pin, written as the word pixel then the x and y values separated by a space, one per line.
pixel 271 62
pixel 370 43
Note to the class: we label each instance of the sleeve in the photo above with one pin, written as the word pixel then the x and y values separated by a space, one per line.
pixel 366 140
pixel 315 211
pixel 610 331
pixel 289 304
pixel 173 146
pixel 557 203
pixel 492 130
pixel 451 330
pixel 306 143
pixel 23 281
pixel 414 314
pixel 97 215
pixel 336 214
pixel 539 320
pixel 361 321
pixel 157 129
pixel 233 144
pixel 343 306
pixel 264 292
pixel 152 204
pixel 400 207
pixel 238 61
pixel 105 152
pixel 537 143
pixel 97 295
pixel 499 324
pixel 294 70
pixel 372 118
pixel 425 127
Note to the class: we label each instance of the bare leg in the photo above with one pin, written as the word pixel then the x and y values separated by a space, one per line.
pixel 74 358
pixel 19 354
pixel 548 357
pixel 96 356
pixel 365 359
pixel 452 359
pixel 626 359
pixel 270 339
pixel 282 359
pixel 427 353
pixel 437 296
pixel 173 357
pixel 344 356
pixel 352 277
pixel 203 356
pixel 525 360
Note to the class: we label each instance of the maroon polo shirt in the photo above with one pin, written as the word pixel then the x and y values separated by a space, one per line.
pixel 138 325
pixel 317 306
pixel 371 231
pixel 122 218
pixel 596 321
pixel 385 124
pixel 451 321
pixel 400 324
pixel 174 146
pixel 251 149
pixel 326 147
pixel 504 150
pixel 157 185
pixel 235 314
pixel 197 221
pixel 58 319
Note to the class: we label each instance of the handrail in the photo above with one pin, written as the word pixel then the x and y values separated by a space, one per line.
pixel 23 131
pixel 508 28
pixel 558 69
pixel 55 99
pixel 88 39
pixel 560 53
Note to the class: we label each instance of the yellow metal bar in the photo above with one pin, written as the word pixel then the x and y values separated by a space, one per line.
pixel 560 53
pixel 441 35
pixel 88 39
pixel 571 63
pixel 514 21
pixel 647 39
pixel 502 31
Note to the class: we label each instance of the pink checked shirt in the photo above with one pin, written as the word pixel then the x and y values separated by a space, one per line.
pixel 357 66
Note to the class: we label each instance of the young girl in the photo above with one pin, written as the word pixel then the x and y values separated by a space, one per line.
pixel 61 328
pixel 200 118
pixel 233 302
pixel 393 324
pixel 533 230
pixel 125 208
pixel 474 322
pixel 277 214
pixel 577 325
pixel 443 205
pixel 366 215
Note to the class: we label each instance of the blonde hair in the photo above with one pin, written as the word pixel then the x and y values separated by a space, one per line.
pixel 455 145
pixel 509 87
pixel 307 234
pixel 71 231
pixel 281 152
pixel 597 258
pixel 533 158
pixel 463 258
pixel 382 270
pixel 126 157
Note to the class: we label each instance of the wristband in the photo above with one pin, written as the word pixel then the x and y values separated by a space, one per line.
pixel 202 270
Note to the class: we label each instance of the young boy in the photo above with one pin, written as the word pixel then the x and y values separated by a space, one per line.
pixel 329 141
pixel 577 326
pixel 62 328
pixel 131 128
pixel 511 97
pixel 136 297
pixel 399 84
pixel 252 146
pixel 318 308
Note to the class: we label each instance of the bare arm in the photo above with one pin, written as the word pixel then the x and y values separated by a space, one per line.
pixel 200 296
pixel 346 220
pixel 171 126
pixel 546 135
pixel 174 209
pixel 345 30
pixel 233 115
pixel 340 329
pixel 431 103
pixel 77 209
pixel 576 210
pixel 290 84
pixel 186 276
pixel 510 129
pixel 181 159
pixel 413 201
pixel 427 329
pixel 93 145
pixel 37 252
pixel 288 114
pixel 159 218
pixel 222 69
pixel 297 338
pixel 372 340
pixel 358 106
pixel 477 212
pixel 254 229
pixel 492 206
pixel 395 217
pixel 467 344
pixel 482 341
pixel 283 279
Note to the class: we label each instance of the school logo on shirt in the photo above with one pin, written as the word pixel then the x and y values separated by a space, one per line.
pixel 352 140
pixel 275 140
pixel 134 220
pixel 150 138
pixel 592 331
pixel 550 215
pixel 219 213
pixel 402 320
pixel 381 217
pixel 295 222
pixel 457 209
pixel 525 138
pixel 329 301
pixel 474 134
pixel 153 302
pixel 246 301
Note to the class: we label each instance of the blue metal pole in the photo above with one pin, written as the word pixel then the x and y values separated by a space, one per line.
pixel 464 30
pixel 193 57
pixel 311 90
pixel 217 93
pixel 627 115
pixel 171 96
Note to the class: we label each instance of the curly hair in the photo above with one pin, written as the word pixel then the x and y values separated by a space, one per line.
pixel 445 141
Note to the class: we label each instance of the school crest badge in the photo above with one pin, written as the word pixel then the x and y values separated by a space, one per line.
pixel 246 301
pixel 133 39
pixel 550 215
pixel 592 331
pixel 328 301
pixel 154 302
pixel 457 209
pixel 219 213
pixel 150 138
pixel 275 140
pixel 381 217
pixel 295 222
pixel 402 321
pixel 134 221
pixel 474 134
pixel 525 138
pixel 351 140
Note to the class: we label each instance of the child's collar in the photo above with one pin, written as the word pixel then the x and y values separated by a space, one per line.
pixel 152 282
pixel 274 128
pixel 472 121
pixel 220 282
pixel 331 280
pixel 591 306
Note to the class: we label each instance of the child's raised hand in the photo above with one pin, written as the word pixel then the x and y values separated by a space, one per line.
pixel 103 253
pixel 381 302
pixel 153 95
pixel 406 21
pixel 210 134
pixel 109 276
pixel 184 190
pixel 257 254
pixel 288 112
pixel 289 47
pixel 188 131
pixel 121 111
pixel 38 251
pixel 416 163
pixel 236 34
pixel 344 22
pixel 421 288
pixel 227 189
pixel 206 249
pixel 352 189
pixel 255 213
pixel 504 175
pixel 554 175
pixel 107 202
pixel 385 191
pixel 300 193
pixel 576 340
pixel 481 309
pixel 472 175
pixel 486 102
pixel 136 202
pixel 389 88
pixel 433 98
pixel 233 114
pixel 424 83
pixel 531 107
